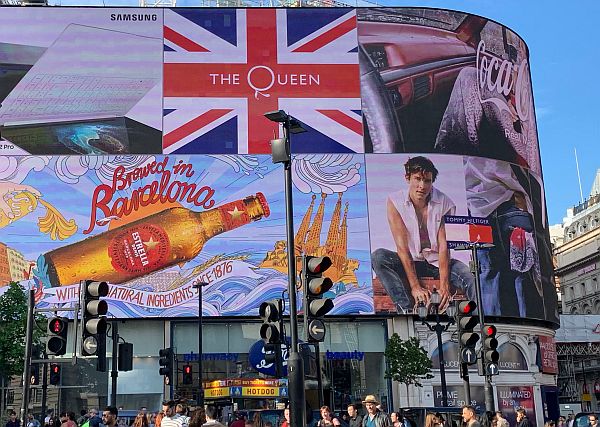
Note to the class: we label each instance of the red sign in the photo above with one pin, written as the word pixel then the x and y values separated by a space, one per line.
pixel 549 360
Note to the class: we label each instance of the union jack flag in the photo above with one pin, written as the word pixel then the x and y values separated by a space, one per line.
pixel 225 68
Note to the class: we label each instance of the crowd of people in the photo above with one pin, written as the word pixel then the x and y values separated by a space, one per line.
pixel 173 414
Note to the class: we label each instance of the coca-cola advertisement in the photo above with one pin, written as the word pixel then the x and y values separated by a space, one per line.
pixel 448 82
pixel 154 226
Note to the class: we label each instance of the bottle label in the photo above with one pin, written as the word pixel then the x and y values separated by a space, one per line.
pixel 139 249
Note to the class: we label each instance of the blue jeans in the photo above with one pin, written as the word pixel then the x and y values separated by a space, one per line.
pixel 503 289
pixel 389 269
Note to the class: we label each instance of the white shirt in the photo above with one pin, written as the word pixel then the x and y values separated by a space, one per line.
pixel 439 205
pixel 489 184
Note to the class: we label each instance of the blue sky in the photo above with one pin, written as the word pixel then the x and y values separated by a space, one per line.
pixel 564 70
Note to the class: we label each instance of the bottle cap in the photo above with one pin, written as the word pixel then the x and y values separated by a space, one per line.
pixel 263 202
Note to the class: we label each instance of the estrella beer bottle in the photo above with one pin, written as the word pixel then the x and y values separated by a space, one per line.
pixel 149 244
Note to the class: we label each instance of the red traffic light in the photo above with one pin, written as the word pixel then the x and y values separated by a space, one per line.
pixel 317 265
pixel 56 326
pixel 490 330
pixel 187 369
pixel 55 369
pixel 466 307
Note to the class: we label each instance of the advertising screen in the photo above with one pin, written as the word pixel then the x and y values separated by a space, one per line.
pixel 112 116
pixel 444 81
pixel 153 226
pixel 80 81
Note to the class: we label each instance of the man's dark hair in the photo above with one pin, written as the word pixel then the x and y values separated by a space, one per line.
pixel 212 412
pixel 112 409
pixel 470 408
pixel 522 412
pixel 500 413
pixel 11 412
pixel 353 405
pixel 420 164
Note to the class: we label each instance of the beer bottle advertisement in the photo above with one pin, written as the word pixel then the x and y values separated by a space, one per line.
pixel 153 226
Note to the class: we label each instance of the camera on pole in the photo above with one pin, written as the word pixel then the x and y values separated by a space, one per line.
pixel 165 360
pixel 271 331
pixel 489 352
pixel 56 344
pixel 93 342
pixel 314 286
pixel 466 320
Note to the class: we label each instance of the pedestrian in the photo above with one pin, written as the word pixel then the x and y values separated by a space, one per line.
pixel 49 416
pixel 94 419
pixel 32 421
pixel 239 420
pixel 67 419
pixel 109 416
pixel 198 417
pixel 181 415
pixel 469 416
pixel 397 419
pixel 355 420
pixel 12 420
pixel 562 421
pixel 140 420
pixel 522 420
pixel 211 417
pixel 83 417
pixel 374 417
pixel 327 418
pixel 593 420
pixel 169 419
pixel 501 421
pixel 286 418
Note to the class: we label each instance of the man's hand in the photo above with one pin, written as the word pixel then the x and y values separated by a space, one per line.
pixel 419 293
pixel 444 292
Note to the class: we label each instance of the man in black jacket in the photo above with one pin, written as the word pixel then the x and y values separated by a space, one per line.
pixel 522 420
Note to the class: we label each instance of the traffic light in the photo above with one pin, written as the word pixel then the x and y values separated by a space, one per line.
pixel 54 374
pixel 56 344
pixel 466 320
pixel 271 331
pixel 93 341
pixel 188 377
pixel 271 315
pixel 34 374
pixel 314 286
pixel 165 360
pixel 490 353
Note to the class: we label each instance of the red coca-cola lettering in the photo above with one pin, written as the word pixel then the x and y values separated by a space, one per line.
pixel 139 249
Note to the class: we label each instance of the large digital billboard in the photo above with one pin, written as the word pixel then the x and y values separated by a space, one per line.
pixel 153 226
pixel 122 130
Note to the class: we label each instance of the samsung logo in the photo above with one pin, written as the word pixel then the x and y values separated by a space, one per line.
pixel 133 17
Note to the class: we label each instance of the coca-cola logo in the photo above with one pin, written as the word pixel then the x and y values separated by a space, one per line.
pixel 507 80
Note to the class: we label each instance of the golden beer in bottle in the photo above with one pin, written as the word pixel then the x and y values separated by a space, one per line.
pixel 166 238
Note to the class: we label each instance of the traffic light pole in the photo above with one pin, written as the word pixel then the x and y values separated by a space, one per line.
pixel 114 372
pixel 27 358
pixel 295 364
pixel 487 385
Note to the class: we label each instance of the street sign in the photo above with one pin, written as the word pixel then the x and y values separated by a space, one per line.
pixel 316 330
pixel 492 369
pixel 468 356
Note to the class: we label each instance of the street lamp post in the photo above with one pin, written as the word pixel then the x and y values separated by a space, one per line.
pixel 199 286
pixel 440 326
pixel 281 153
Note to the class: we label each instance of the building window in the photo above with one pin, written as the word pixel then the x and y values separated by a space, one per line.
pixel 573 310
